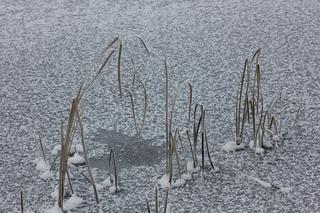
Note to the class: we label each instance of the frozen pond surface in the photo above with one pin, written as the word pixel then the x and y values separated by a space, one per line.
pixel 48 47
pixel 130 150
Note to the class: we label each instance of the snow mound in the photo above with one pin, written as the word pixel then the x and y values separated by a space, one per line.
pixel 72 202
pixel 77 159
pixel 231 146
pixel 41 165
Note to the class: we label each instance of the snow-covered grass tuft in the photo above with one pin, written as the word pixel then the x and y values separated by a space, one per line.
pixel 164 181
pixel 54 209
pixel 41 165
pixel 231 146
pixel 73 202
pixel 77 159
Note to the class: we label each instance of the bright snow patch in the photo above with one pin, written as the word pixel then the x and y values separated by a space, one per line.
pixel 56 149
pixel 46 175
pixel 186 176
pixel 72 202
pixel 41 165
pixel 191 169
pixel 231 146
pixel 114 189
pixel 107 182
pixel 178 183
pixel 77 159
pixel 164 181
pixel 267 144
pixel 79 148
pixel 54 209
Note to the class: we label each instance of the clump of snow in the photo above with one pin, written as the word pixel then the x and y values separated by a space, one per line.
pixel 108 181
pixel 41 165
pixel 56 150
pixel 191 168
pixel 179 183
pixel 276 138
pixel 257 148
pixel 77 159
pixel 164 181
pixel 231 146
pixel 99 187
pixel 168 210
pixel 267 144
pixel 186 176
pixel 114 189
pixel 46 175
pixel 79 148
pixel 54 209
pixel 72 202
pixel 72 149
pixel 55 193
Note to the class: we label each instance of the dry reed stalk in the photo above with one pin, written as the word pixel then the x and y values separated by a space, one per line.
pixel 119 68
pixel 85 154
pixel 167 116
pixel 144 45
pixel 21 202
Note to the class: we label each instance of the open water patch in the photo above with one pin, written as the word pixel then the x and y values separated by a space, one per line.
pixel 130 151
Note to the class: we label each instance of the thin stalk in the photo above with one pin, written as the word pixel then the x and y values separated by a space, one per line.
pixel 85 155
pixel 21 202
pixel 133 111
pixel 166 201
pixel 144 45
pixel 207 146
pixel 190 103
pixel 157 202
pixel 41 148
pixel 119 68
pixel 167 116
pixel 145 108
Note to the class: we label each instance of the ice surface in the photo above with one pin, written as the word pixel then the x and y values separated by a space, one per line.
pixel 49 47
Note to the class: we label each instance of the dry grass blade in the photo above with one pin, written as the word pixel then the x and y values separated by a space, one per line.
pixel 112 159
pixel 69 181
pixel 85 154
pixel 65 147
pixel 148 206
pixel 41 148
pixel 144 44
pixel 192 151
pixel 157 202
pixel 104 64
pixel 207 146
pixel 190 103
pixel 119 68
pixel 110 44
pixel 134 73
pixel 166 201
pixel 21 202
pixel 133 111
pixel 239 100
pixel 256 55
pixel 167 116
pixel 174 149
pixel 202 151
pixel 145 108
pixel 85 177
pixel 296 117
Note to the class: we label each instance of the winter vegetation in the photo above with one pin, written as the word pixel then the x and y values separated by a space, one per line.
pixel 144 126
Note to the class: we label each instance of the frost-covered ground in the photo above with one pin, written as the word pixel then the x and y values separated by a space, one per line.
pixel 48 47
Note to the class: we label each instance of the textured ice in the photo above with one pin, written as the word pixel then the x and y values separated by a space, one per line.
pixel 48 47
